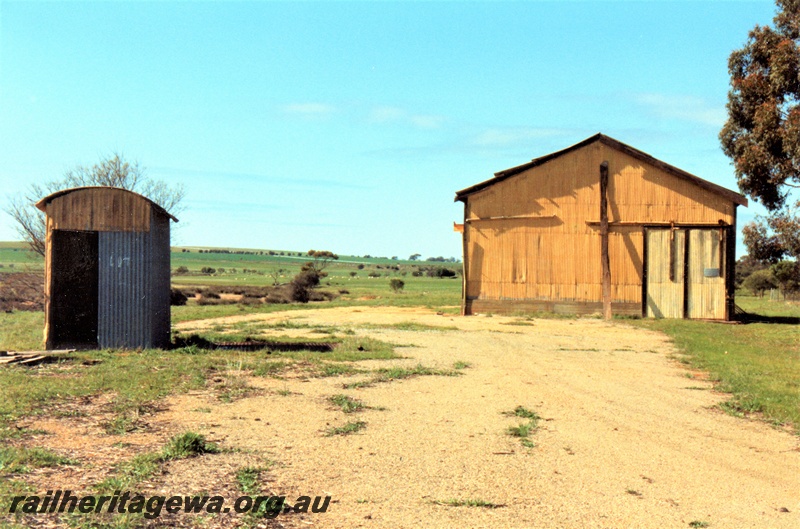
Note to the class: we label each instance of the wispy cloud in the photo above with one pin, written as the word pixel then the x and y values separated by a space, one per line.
pixel 683 108
pixel 390 114
pixel 309 109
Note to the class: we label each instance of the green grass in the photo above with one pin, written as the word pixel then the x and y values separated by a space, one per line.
pixel 332 369
pixel 17 257
pixel 248 479
pixel 441 294
pixel 14 460
pixel 135 379
pixel 525 413
pixel 9 488
pixel 143 466
pixel 347 429
pixel 188 444
pixel 347 404
pixel 389 374
pixel 21 331
pixel 758 363
pixel 128 376
pixel 523 430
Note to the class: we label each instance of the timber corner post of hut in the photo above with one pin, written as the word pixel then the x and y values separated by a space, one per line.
pixel 599 227
pixel 107 270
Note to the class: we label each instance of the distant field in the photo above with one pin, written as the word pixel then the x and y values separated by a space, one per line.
pixel 262 261
pixel 15 256
pixel 355 279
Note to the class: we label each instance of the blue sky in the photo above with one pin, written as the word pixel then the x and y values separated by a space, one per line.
pixel 349 126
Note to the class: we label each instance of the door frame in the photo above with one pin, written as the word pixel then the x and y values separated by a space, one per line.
pixel 730 262
pixel 67 292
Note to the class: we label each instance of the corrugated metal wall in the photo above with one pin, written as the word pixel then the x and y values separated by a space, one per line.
pixel 665 287
pixel 553 252
pixel 706 281
pixel 124 312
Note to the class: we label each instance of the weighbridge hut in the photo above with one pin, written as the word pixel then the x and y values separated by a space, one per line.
pixel 107 269
pixel 555 233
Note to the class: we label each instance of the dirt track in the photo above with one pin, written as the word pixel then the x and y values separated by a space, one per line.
pixel 628 439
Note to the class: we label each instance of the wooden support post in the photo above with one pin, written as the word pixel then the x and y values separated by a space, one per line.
pixel 604 259
pixel 464 266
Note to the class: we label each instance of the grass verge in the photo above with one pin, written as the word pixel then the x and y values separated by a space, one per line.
pixel 758 363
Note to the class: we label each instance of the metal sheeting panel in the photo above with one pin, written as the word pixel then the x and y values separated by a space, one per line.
pixel 124 304
pixel 706 293
pixel 665 258
pixel 534 236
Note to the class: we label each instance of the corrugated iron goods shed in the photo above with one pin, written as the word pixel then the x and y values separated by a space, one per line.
pixel 107 269
pixel 546 235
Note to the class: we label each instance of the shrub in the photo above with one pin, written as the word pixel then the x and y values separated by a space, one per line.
pixel 207 270
pixel 181 270
pixel 250 300
pixel 187 445
pixel 307 278
pixel 758 282
pixel 440 272
pixel 177 298
pixel 320 295
pixel 397 285
pixel 787 276
pixel 205 301
pixel 374 274
pixel 301 285
pixel 298 292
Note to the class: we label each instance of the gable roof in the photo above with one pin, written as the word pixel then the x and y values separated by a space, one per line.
pixel 42 204
pixel 614 144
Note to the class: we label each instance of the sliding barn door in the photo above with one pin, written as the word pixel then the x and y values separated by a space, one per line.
pixel 665 267
pixel 706 281
pixel 685 273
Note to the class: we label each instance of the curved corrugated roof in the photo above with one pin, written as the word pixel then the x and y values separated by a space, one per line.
pixel 49 198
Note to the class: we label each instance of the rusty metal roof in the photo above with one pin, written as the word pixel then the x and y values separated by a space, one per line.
pixel 43 202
